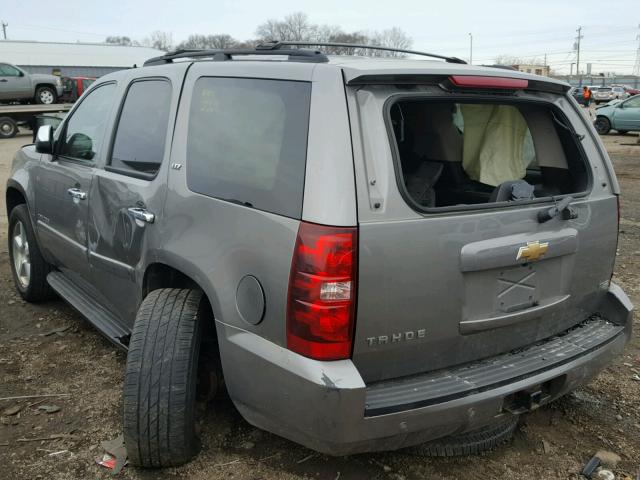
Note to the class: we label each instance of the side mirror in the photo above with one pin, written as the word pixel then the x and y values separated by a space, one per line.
pixel 44 139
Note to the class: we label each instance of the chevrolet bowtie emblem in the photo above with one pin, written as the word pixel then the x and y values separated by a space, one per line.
pixel 532 251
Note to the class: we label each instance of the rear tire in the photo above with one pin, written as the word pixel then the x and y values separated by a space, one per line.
pixel 8 128
pixel 602 125
pixel 46 96
pixel 28 268
pixel 161 377
pixel 470 443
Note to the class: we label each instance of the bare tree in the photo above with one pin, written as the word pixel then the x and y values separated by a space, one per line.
pixel 208 42
pixel 222 40
pixel 343 37
pixel 115 40
pixel 391 38
pixel 511 60
pixel 297 27
pixel 192 42
pixel 294 27
pixel 160 40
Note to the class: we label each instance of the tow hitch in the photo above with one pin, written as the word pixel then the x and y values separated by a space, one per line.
pixel 533 397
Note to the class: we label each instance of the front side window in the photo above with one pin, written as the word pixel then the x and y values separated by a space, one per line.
pixel 84 131
pixel 453 154
pixel 247 142
pixel 141 133
pixel 8 71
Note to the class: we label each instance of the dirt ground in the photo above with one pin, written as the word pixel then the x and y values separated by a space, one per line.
pixel 552 442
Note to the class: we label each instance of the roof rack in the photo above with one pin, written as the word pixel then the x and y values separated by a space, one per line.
pixel 221 55
pixel 278 44
pixel 275 48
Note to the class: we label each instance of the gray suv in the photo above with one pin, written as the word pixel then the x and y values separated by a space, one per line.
pixel 16 84
pixel 369 254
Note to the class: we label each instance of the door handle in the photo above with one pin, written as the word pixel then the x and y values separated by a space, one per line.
pixel 4 80
pixel 142 214
pixel 77 193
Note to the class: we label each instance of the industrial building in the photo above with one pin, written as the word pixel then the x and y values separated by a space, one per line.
pixel 73 59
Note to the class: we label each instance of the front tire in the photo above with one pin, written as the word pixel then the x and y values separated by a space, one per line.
pixel 28 267
pixel 46 96
pixel 8 128
pixel 602 125
pixel 161 378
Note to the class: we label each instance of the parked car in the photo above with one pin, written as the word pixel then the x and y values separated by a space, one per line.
pixel 74 87
pixel 631 91
pixel 622 116
pixel 577 93
pixel 606 94
pixel 16 85
pixel 314 232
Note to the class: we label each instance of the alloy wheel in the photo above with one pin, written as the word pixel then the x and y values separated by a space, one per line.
pixel 20 251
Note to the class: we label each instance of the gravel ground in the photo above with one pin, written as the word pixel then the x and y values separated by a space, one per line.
pixel 36 357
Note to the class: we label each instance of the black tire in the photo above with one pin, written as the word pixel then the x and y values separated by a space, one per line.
pixel 46 96
pixel 161 376
pixel 36 289
pixel 8 128
pixel 602 125
pixel 470 443
pixel 623 132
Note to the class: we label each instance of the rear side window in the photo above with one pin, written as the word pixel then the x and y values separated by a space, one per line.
pixel 138 147
pixel 247 142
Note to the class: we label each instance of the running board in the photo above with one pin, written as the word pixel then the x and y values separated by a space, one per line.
pixel 95 313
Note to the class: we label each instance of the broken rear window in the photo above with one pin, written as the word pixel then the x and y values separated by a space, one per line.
pixel 465 153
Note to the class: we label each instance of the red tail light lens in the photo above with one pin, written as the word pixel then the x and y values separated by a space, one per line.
pixel 476 81
pixel 322 292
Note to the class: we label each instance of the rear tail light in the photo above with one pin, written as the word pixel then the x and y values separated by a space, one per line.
pixel 322 292
pixel 477 81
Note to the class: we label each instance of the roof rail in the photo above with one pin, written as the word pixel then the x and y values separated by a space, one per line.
pixel 294 54
pixel 276 45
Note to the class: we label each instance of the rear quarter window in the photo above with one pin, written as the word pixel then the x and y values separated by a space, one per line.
pixel 247 142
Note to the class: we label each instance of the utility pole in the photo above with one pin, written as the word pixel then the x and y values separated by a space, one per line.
pixel 636 65
pixel 577 47
pixel 4 29
pixel 470 49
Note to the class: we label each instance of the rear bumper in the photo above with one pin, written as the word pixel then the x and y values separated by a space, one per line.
pixel 327 407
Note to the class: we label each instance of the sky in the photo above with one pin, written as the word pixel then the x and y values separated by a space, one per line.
pixel 499 27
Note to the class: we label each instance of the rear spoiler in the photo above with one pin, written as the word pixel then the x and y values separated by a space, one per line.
pixel 461 83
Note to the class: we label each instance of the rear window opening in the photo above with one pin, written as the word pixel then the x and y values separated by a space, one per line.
pixel 462 153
